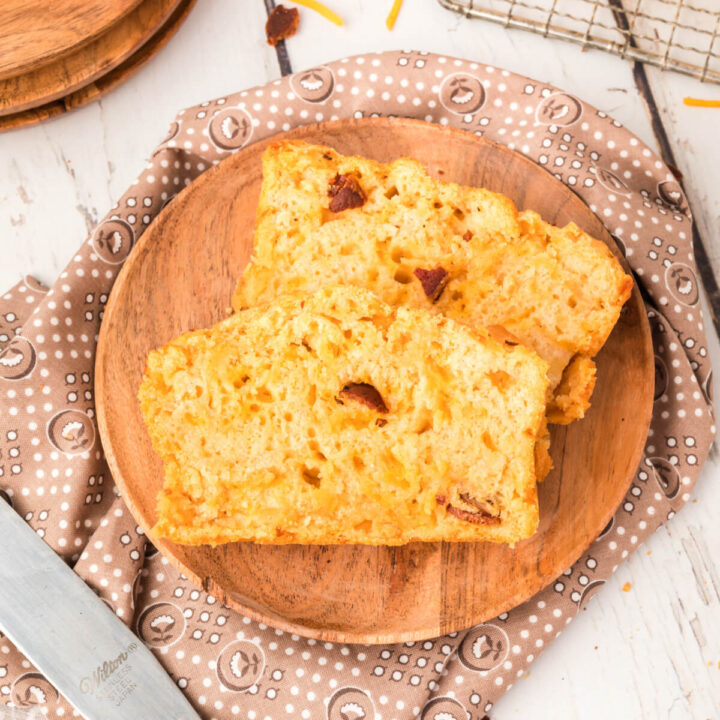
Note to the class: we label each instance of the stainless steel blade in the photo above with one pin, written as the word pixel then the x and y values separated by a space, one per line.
pixel 76 640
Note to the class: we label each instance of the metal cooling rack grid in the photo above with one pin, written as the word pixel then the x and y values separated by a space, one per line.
pixel 681 35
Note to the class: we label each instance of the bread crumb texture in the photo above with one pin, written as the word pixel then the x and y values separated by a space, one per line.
pixel 333 418
pixel 463 252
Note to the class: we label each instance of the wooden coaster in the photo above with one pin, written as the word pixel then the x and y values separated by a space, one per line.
pixel 35 32
pixel 71 72
pixel 105 82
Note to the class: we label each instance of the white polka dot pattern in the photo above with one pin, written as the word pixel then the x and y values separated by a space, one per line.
pixel 53 472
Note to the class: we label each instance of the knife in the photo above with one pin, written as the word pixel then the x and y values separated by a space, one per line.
pixel 74 639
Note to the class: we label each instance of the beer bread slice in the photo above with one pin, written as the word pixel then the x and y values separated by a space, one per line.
pixel 467 253
pixel 336 418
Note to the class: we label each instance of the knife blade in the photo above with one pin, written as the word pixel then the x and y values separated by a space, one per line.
pixel 74 639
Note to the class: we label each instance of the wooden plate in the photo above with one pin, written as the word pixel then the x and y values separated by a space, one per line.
pixel 181 276
pixel 72 71
pixel 33 32
pixel 103 84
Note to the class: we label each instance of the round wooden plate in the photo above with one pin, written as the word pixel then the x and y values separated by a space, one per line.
pixel 72 71
pixel 33 32
pixel 181 276
pixel 103 84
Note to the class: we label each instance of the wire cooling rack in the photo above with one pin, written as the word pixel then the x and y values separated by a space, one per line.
pixel 681 35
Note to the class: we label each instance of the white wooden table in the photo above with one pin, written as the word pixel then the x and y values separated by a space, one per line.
pixel 652 652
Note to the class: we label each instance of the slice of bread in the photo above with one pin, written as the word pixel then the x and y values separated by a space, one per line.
pixel 336 418
pixel 465 252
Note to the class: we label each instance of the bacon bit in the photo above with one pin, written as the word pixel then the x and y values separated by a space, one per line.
pixel 478 518
pixel 363 393
pixel 468 236
pixel 320 8
pixel 478 504
pixel 392 15
pixel 281 23
pixel 381 422
pixel 697 102
pixel 482 517
pixel 345 192
pixel 433 281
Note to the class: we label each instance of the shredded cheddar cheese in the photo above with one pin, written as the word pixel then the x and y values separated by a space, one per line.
pixel 697 102
pixel 392 15
pixel 320 8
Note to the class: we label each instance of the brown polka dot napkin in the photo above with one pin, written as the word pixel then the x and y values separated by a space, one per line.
pixel 53 473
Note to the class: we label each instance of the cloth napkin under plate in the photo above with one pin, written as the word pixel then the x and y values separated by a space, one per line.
pixel 51 463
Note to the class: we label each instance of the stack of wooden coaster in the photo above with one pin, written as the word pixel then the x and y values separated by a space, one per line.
pixel 57 56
